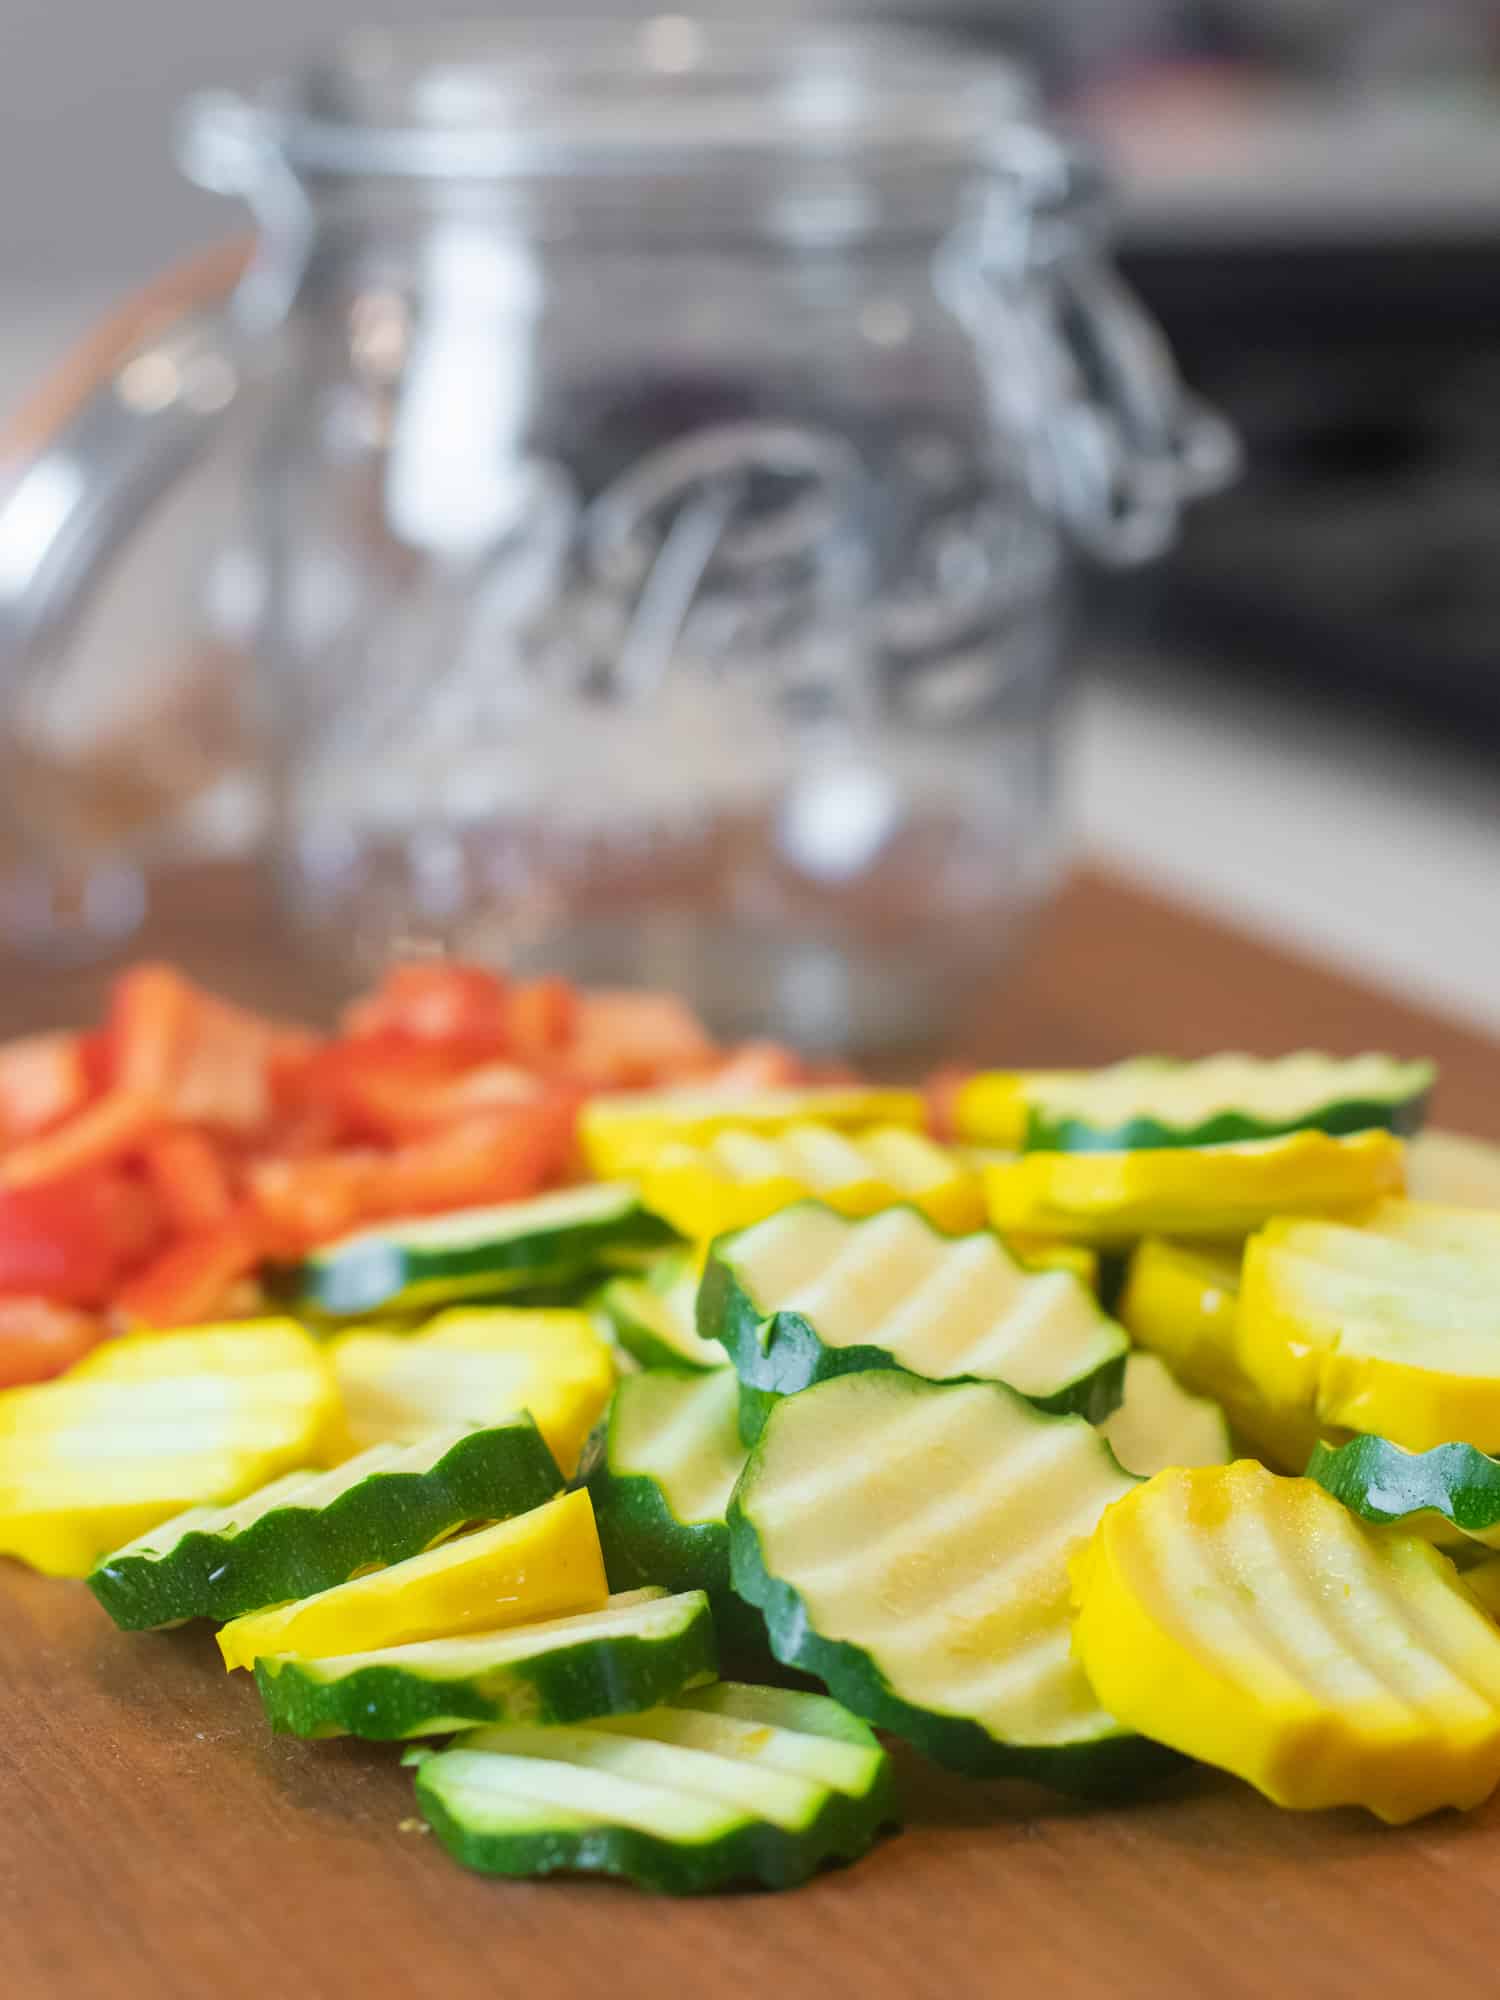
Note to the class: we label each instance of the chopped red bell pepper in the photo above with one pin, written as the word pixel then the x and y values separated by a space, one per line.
pixel 39 1339
pixel 69 1239
pixel 188 1176
pixel 195 1280
pixel 624 1038
pixel 940 1092
pixel 757 1066
pixel 43 1079
pixel 462 1008
pixel 503 1156
pixel 543 1018
pixel 104 1131
pixel 203 1060
pixel 316 1199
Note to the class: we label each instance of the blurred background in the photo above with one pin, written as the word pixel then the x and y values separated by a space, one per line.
pixel 1295 719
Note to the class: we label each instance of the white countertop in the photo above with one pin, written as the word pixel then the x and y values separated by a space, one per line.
pixel 1327 829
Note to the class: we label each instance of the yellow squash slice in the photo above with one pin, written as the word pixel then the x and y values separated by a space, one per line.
pixel 1253 1623
pixel 622 1132
pixel 545 1564
pixel 148 1426
pixel 1181 1302
pixel 1392 1327
pixel 477 1364
pixel 741 1176
pixel 1218 1192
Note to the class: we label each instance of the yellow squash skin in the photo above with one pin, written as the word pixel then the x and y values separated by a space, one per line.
pixel 740 1176
pixel 1181 1302
pixel 147 1426
pixel 1390 1326
pixel 617 1134
pixel 544 1564
pixel 1251 1622
pixel 1217 1192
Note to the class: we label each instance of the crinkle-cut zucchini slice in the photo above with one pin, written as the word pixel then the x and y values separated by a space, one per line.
pixel 1181 1302
pixel 908 1543
pixel 808 1294
pixel 732 1786
pixel 1427 1492
pixel 1158 1424
pixel 478 1365
pixel 1252 1622
pixel 476 1252
pixel 740 1176
pixel 1152 1101
pixel 1391 1328
pixel 622 1132
pixel 1453 1169
pixel 644 1647
pixel 652 1317
pixel 149 1425
pixel 307 1531
pixel 661 1472
pixel 1219 1192
pixel 544 1564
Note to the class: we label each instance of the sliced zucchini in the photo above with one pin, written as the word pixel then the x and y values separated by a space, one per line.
pixel 741 1176
pixel 808 1294
pixel 1451 1168
pixel 908 1543
pixel 1159 1424
pixel 652 1318
pixel 1391 1328
pixel 1252 1622
pixel 625 1130
pixel 307 1531
pixel 539 1565
pixel 642 1648
pixel 149 1425
pixel 1181 1302
pixel 1219 1192
pixel 736 1785
pixel 477 1365
pixel 1152 1101
pixel 475 1252
pixel 1428 1492
pixel 661 1473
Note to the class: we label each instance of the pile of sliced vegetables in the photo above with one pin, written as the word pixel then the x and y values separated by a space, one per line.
pixel 803 1381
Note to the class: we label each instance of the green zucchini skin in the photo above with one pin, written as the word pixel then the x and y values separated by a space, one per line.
pixel 614 1674
pixel 1380 1481
pixel 781 1354
pixel 397 1265
pixel 295 1551
pixel 644 1542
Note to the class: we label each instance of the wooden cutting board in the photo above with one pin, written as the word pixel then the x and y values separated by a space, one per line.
pixel 157 1844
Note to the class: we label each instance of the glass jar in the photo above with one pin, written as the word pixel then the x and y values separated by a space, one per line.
pixel 657 453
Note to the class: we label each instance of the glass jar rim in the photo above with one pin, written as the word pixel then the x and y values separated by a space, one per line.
pixel 483 100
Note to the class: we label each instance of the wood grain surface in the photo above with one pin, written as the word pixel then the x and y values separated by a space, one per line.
pixel 157 1844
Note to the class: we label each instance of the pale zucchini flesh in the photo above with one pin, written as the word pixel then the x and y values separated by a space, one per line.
pixel 732 1787
pixel 1158 1424
pixel 644 1647
pixel 477 1252
pixel 652 1317
pixel 660 1473
pixel 307 1531
pixel 908 1543
pixel 808 1295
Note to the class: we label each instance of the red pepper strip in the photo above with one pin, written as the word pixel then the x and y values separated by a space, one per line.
pixel 39 1339
pixel 543 1018
pixel 502 1157
pixel 206 1062
pixel 43 1079
pixel 304 1202
pixel 940 1093
pixel 113 1126
pixel 624 1038
pixel 463 1008
pixel 757 1066
pixel 187 1174
pixel 395 1105
pixel 149 1014
pixel 194 1280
